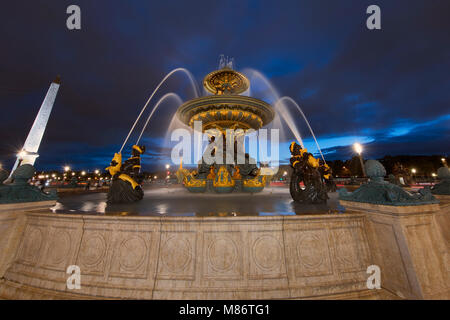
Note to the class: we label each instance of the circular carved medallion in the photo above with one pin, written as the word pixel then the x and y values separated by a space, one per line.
pixel 132 253
pixel 267 252
pixel 93 250
pixel 222 254
pixel 176 254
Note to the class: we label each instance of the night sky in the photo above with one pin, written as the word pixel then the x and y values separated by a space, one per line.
pixel 388 88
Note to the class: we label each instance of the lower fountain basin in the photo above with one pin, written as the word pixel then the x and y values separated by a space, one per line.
pixel 178 201
pixel 173 254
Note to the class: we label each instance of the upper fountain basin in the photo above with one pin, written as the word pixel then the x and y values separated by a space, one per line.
pixel 226 112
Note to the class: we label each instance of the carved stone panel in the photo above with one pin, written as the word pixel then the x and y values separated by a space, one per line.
pixel 130 257
pixel 177 255
pixel 266 255
pixel 424 251
pixel 389 258
pixel 93 251
pixel 349 249
pixel 311 253
pixel 32 244
pixel 222 255
pixel 60 248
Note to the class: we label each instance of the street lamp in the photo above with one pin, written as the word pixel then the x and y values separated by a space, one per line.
pixel 167 166
pixel 66 168
pixel 22 154
pixel 97 171
pixel 358 149
pixel 444 161
pixel 413 171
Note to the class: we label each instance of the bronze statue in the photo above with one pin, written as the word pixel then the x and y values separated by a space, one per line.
pixel 308 177
pixel 126 177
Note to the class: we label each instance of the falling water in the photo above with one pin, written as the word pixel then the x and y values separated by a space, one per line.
pixel 273 97
pixel 175 123
pixel 281 109
pixel 170 95
pixel 194 86
pixel 289 99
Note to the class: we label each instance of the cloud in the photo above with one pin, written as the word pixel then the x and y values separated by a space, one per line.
pixel 387 85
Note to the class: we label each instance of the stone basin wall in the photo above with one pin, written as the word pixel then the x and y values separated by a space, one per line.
pixel 280 257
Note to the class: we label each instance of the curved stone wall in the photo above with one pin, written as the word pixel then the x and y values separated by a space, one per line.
pixel 190 258
pixel 290 257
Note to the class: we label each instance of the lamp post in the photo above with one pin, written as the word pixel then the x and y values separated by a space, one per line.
pixel 444 162
pixel 413 171
pixel 358 148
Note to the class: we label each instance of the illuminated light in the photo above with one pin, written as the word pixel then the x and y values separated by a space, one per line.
pixel 434 174
pixel 66 168
pixel 443 159
pixel 167 166
pixel 155 177
pixel 358 148
pixel 53 175
pixel 46 175
pixel 97 171
pixel 73 173
pixel 285 173
pixel 413 170
pixel 83 173
pixel 21 154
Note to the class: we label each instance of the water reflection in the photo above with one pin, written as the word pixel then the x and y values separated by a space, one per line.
pixel 274 201
pixel 277 213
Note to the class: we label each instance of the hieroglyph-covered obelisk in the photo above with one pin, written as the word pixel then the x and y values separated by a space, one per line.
pixel 29 152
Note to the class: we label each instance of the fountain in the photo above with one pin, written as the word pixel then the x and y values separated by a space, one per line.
pixel 226 110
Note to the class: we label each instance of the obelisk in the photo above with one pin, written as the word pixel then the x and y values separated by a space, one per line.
pixel 29 152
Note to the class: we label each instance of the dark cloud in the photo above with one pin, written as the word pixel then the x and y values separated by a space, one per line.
pixel 350 81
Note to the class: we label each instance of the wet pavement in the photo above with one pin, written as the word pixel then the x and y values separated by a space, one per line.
pixel 177 201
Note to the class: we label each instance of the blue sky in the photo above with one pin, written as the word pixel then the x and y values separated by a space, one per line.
pixel 388 88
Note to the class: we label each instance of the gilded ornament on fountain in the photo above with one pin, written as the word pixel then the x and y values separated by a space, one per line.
pixel 226 108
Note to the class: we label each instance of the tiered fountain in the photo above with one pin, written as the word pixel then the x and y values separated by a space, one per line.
pixel 223 110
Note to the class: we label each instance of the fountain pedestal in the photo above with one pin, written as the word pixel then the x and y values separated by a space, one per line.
pixel 406 234
pixel 408 244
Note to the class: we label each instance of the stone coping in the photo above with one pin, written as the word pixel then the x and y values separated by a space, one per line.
pixel 396 210
pixel 26 206
pixel 195 219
